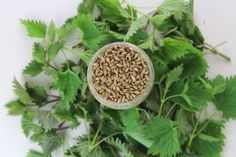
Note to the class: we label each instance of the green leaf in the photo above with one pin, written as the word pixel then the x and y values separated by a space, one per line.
pixel 159 20
pixel 87 7
pixel 37 93
pixel 54 49
pixel 91 37
pixel 47 120
pixel 16 108
pixel 139 135
pixel 82 149
pixel 68 84
pixel 173 49
pixel 33 68
pixel 35 28
pixel 225 101
pixel 173 76
pixel 51 141
pixel 149 44
pixel 166 142
pixel 39 53
pixel 20 91
pixel 28 125
pixel 33 153
pixel 130 119
pixel 111 10
pixel 219 85
pixel 170 6
pixel 134 27
pixel 194 99
pixel 65 30
pixel 120 146
pixel 52 31
pixel 207 146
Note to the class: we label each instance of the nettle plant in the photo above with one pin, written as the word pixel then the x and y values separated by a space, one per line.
pixel 169 123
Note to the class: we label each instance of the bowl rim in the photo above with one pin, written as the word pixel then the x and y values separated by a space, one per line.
pixel 123 105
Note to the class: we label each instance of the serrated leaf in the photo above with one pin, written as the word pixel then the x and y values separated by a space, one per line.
pixel 87 7
pixel 35 28
pixel 173 76
pixel 51 141
pixel 134 27
pixel 207 146
pixel 65 30
pixel 51 31
pixel 170 6
pixel 219 85
pixel 159 20
pixel 111 10
pixel 16 108
pixel 130 119
pixel 54 49
pixel 149 44
pixel 68 84
pixel 33 68
pixel 20 91
pixel 39 53
pixel 91 37
pixel 120 146
pixel 166 142
pixel 47 120
pixel 37 93
pixel 225 101
pixel 33 153
pixel 195 99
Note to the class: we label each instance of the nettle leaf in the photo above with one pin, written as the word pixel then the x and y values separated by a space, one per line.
pixel 225 101
pixel 149 44
pixel 173 76
pixel 39 53
pixel 207 146
pixel 51 141
pixel 130 119
pixel 20 91
pixel 35 28
pixel 16 108
pixel 111 10
pixel 219 85
pixel 117 143
pixel 170 6
pixel 54 49
pixel 37 93
pixel 51 31
pixel 194 99
pixel 165 138
pixel 47 120
pixel 68 84
pixel 33 153
pixel 65 30
pixel 159 20
pixel 87 7
pixel 91 37
pixel 33 68
pixel 134 27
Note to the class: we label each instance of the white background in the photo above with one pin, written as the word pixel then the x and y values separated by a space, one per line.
pixel 216 18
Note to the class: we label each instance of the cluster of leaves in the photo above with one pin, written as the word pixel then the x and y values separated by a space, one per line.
pixel 166 124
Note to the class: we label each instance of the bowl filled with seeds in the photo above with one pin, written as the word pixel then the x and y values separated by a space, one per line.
pixel 120 75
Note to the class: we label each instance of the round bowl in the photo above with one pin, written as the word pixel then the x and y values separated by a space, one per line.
pixel 123 105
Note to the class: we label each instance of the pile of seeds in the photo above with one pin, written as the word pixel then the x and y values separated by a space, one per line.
pixel 120 74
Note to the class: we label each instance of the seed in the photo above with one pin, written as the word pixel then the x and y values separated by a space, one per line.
pixel 120 74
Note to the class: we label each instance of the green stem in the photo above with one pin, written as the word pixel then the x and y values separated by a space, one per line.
pixel 171 109
pixel 72 51
pixel 213 50
pixel 146 113
pixel 104 139
pixel 96 136
pixel 172 96
pixel 192 135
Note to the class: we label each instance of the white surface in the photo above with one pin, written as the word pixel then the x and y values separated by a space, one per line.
pixel 216 18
